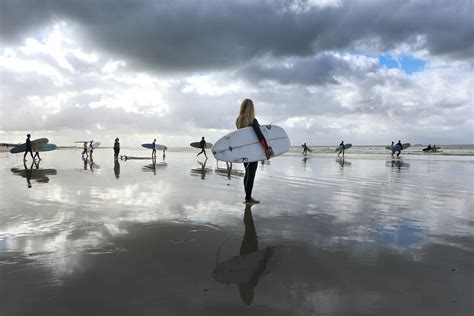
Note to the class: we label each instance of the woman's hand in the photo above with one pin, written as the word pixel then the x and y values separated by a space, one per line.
pixel 268 152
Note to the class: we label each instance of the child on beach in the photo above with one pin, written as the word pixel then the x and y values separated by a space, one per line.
pixel 247 118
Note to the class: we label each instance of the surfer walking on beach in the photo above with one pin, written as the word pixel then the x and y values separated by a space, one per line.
pixel 91 148
pixel 247 118
pixel 305 149
pixel 203 147
pixel 153 152
pixel 341 145
pixel 29 147
pixel 398 148
pixel 116 148
pixel 393 148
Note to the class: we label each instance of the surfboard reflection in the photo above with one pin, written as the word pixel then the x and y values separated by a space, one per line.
pixel 202 171
pixel 154 166
pixel 34 173
pixel 246 269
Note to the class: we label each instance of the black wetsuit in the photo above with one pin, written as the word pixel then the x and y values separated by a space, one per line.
pixel 203 148
pixel 251 167
pixel 116 149
pixel 29 148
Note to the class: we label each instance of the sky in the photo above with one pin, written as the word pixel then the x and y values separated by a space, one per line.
pixel 367 72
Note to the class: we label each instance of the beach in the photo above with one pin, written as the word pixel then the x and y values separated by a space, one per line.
pixel 364 235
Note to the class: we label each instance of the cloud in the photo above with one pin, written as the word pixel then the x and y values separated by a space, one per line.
pixel 181 69
pixel 183 36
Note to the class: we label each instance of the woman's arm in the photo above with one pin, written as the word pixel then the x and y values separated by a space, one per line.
pixel 261 138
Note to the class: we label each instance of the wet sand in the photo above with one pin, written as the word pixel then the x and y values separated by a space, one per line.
pixel 359 236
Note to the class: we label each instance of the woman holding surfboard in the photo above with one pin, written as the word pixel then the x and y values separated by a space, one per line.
pixel 247 118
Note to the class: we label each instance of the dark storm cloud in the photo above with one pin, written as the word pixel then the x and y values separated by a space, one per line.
pixel 196 35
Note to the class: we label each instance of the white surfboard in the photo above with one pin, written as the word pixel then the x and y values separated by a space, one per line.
pixel 242 145
pixel 93 146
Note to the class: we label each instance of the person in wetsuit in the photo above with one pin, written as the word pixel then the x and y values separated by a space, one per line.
pixel 153 153
pixel 29 148
pixel 305 149
pixel 342 149
pixel 116 148
pixel 202 143
pixel 398 148
pixel 247 118
pixel 91 148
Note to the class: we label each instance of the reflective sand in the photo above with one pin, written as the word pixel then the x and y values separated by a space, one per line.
pixel 358 236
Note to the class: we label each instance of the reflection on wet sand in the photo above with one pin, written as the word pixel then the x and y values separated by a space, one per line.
pixel 34 173
pixel 201 171
pixel 117 168
pixel 246 269
pixel 154 166
pixel 343 162
pixel 89 164
pixel 397 163
pixel 229 172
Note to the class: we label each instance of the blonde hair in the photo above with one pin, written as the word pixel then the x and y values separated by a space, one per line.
pixel 246 115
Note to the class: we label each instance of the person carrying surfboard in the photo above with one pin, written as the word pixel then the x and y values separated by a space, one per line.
pixel 203 147
pixel 29 147
pixel 91 148
pixel 305 149
pixel 153 152
pixel 398 148
pixel 247 118
pixel 341 145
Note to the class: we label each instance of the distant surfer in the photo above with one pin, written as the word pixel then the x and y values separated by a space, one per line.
pixel 398 148
pixel 91 149
pixel 434 148
pixel 247 118
pixel 29 148
pixel 153 153
pixel 393 148
pixel 341 146
pixel 116 148
pixel 85 150
pixel 305 149
pixel 202 145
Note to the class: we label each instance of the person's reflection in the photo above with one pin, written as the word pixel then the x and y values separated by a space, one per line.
pixel 341 162
pixel 28 173
pixel 250 245
pixel 117 168
pixel 245 270
pixel 203 168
